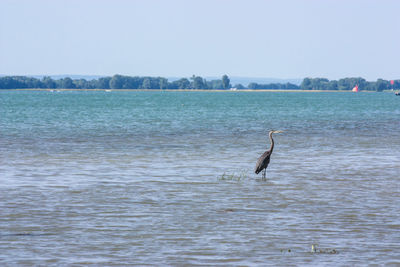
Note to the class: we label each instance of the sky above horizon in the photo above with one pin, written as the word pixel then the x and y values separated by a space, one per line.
pixel 248 38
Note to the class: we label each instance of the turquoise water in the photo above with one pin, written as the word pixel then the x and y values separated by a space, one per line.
pixel 166 178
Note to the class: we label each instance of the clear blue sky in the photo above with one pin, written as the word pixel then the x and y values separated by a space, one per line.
pixel 254 38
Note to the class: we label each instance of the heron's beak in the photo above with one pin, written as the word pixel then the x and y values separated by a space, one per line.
pixel 278 131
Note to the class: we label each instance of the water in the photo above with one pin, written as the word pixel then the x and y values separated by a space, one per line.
pixel 166 178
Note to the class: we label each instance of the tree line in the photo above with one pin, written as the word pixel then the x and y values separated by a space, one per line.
pixel 194 82
pixel 282 86
pixel 348 84
pixel 114 82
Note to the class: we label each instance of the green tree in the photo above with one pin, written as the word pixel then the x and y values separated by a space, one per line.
pixel 332 85
pixel 184 83
pixel 396 84
pixel 11 82
pixel 48 82
pixel 215 84
pixel 83 84
pixel 239 86
pixel 349 83
pixel 226 83
pixel 381 85
pixel 306 84
pixel 66 83
pixel 252 86
pixel 116 82
pixel 146 83
pixel 291 86
pixel 102 83
pixel 163 83
pixel 197 82
pixel 319 83
pixel 179 84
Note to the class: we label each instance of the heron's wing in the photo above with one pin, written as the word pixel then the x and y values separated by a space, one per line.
pixel 263 161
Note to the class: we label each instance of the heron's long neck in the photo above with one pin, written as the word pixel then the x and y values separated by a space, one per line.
pixel 272 142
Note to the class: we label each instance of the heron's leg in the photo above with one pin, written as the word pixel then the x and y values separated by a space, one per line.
pixel 264 173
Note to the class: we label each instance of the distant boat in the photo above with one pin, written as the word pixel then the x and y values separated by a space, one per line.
pixel 397 93
pixel 108 90
pixel 355 89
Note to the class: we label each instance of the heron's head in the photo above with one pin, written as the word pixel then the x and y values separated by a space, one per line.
pixel 271 132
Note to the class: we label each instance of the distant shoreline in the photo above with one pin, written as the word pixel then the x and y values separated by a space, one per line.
pixel 122 82
pixel 184 90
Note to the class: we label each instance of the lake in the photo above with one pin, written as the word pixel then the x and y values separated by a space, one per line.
pixel 167 178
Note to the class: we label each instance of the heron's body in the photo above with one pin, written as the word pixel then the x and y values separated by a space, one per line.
pixel 263 161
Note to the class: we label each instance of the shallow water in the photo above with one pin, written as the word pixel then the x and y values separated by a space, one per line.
pixel 166 178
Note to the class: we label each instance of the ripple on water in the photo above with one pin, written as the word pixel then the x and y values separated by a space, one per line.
pixel 134 178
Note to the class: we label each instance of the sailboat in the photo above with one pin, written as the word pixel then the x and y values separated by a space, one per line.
pixel 355 88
